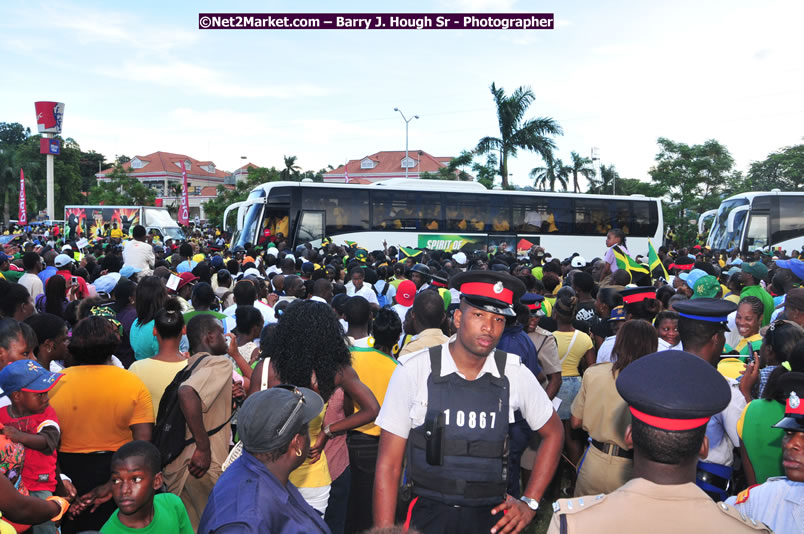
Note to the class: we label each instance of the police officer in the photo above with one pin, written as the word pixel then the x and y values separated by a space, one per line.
pixel 701 326
pixel 671 396
pixel 448 408
pixel 779 502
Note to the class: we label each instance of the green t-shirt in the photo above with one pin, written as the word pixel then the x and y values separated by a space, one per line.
pixel 13 276
pixel 762 442
pixel 169 516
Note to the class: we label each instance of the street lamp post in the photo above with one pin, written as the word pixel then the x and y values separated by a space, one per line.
pixel 407 121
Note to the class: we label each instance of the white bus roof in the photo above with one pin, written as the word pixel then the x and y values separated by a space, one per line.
pixel 444 186
pixel 751 195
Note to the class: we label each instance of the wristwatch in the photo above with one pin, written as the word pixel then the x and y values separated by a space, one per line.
pixel 328 432
pixel 533 504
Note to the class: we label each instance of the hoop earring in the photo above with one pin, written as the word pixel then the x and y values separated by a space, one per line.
pixel 298 452
pixel 395 348
pixel 370 341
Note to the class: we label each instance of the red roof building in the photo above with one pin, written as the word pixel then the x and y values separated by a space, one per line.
pixel 162 171
pixel 385 165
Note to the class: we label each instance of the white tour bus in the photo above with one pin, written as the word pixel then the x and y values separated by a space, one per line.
pixel 442 215
pixel 758 220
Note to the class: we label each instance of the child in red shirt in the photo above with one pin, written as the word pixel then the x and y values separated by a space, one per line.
pixel 30 421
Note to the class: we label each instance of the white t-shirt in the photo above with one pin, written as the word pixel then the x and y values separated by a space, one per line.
pixel 604 352
pixel 139 255
pixel 405 403
pixel 664 345
pixel 32 283
pixel 401 311
pixel 267 312
pixel 366 292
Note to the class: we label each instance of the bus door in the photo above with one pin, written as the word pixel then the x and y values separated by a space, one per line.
pixel 310 227
pixel 756 236
pixel 275 224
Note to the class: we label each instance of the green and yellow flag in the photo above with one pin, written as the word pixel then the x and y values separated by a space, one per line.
pixel 657 268
pixel 627 263
pixel 405 252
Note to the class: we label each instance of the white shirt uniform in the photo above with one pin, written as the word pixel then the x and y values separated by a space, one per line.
pixel 722 428
pixel 779 503
pixel 405 403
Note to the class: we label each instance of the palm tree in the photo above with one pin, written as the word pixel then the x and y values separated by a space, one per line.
pixel 604 184
pixel 291 172
pixel 582 166
pixel 175 190
pixel 554 171
pixel 515 134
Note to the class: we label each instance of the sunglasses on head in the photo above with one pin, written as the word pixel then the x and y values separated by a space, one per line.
pixel 296 409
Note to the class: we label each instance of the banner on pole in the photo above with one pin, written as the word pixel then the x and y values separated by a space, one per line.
pixel 23 217
pixel 184 209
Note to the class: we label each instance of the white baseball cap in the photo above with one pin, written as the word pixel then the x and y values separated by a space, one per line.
pixel 578 262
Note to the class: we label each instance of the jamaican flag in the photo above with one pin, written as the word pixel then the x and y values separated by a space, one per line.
pixel 351 244
pixel 405 253
pixel 628 264
pixel 657 268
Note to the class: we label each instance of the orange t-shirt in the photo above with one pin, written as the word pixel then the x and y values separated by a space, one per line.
pixel 96 405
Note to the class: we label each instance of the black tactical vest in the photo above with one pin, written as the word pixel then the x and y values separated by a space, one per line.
pixel 459 455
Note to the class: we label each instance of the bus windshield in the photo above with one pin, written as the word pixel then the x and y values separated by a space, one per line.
pixel 251 220
pixel 719 236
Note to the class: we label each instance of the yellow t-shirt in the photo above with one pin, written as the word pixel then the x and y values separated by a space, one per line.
pixel 570 360
pixel 313 475
pixel 96 405
pixel 117 233
pixel 156 375
pixel 374 368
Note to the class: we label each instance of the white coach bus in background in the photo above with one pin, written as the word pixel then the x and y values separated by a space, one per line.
pixel 445 215
pixel 759 220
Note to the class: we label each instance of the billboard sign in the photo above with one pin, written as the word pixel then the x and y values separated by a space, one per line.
pixel 449 242
pixel 50 146
pixel 49 116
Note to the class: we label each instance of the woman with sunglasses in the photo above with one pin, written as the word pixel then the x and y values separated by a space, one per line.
pixel 309 349
pixel 256 493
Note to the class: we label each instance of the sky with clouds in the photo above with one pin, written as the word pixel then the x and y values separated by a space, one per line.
pixel 140 77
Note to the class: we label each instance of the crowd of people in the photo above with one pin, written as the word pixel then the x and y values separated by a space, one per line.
pixel 200 387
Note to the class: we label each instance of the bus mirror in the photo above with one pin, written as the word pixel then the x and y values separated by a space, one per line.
pixel 704 218
pixel 732 215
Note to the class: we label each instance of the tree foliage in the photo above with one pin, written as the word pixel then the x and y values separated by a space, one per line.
pixel 291 172
pixel 215 208
pixel 553 171
pixel 517 133
pixel 20 150
pixel 580 166
pixel 452 170
pixel 121 190
pixel 694 178
pixel 610 183
pixel 783 169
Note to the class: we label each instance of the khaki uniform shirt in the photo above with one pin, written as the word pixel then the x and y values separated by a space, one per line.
pixel 424 340
pixel 641 506
pixel 212 380
pixel 606 416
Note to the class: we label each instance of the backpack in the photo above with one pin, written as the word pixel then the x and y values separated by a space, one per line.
pixel 382 299
pixel 171 426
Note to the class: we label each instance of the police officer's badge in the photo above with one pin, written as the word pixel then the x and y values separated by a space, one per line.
pixel 794 400
pixel 498 288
